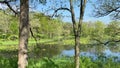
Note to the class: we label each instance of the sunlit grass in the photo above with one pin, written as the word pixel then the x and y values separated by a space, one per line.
pixel 47 41
pixel 11 45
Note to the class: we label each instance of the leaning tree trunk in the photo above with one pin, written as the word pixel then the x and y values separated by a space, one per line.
pixel 23 34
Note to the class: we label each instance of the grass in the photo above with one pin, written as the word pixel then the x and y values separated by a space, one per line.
pixel 10 45
pixel 8 42
pixel 46 41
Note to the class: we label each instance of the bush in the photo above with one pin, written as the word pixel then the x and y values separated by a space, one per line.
pixel 4 36
pixel 13 37
pixel 8 62
pixel 59 62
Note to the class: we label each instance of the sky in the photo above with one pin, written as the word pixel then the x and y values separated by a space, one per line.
pixel 87 16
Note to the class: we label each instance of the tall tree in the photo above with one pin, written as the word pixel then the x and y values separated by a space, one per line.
pixel 77 31
pixel 23 29
pixel 23 33
pixel 108 8
pixel 76 26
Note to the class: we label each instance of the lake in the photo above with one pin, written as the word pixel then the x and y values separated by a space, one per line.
pixel 92 51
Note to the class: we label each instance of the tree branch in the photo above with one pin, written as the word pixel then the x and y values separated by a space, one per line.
pixel 61 9
pixel 105 43
pixel 111 41
pixel 7 3
pixel 107 8
pixel 33 35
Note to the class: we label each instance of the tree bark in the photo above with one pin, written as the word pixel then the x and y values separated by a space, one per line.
pixel 76 35
pixel 23 34
pixel 77 51
pixel 77 29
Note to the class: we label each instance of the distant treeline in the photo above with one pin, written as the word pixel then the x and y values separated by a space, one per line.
pixel 46 27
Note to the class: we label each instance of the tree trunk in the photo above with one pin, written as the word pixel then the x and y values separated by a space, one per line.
pixel 77 29
pixel 76 35
pixel 77 44
pixel 23 34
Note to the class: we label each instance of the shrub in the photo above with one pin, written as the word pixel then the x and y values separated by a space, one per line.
pixel 13 37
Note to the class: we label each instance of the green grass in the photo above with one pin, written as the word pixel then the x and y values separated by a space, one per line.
pixel 47 41
pixel 8 42
pixel 11 45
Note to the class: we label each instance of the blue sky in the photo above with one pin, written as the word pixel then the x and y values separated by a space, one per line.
pixel 87 16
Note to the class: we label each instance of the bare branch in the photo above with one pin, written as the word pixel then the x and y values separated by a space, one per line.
pixel 107 7
pixel 99 13
pixel 7 3
pixel 105 43
pixel 61 9
pixel 11 8
pixel 111 41
pixel 33 35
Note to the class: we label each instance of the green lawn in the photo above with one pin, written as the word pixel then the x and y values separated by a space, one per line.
pixel 46 41
pixel 11 45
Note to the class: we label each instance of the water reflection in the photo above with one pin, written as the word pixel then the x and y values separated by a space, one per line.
pixel 45 51
pixel 96 51
pixel 93 51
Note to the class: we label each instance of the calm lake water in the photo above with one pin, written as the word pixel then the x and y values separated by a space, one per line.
pixel 92 51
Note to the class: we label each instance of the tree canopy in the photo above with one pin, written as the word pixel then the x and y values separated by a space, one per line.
pixel 107 7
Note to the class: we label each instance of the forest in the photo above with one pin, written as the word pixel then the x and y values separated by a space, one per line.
pixel 33 39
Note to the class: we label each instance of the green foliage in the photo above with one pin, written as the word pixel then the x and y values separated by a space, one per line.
pixel 46 26
pixel 57 62
pixel 13 37
pixel 8 62
pixel 98 31
pixel 49 63
pixel 4 36
pixel 113 29
pixel 14 25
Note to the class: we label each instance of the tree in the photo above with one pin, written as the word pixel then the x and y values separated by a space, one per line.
pixel 13 26
pixel 46 26
pixel 97 33
pixel 4 24
pixel 107 7
pixel 113 32
pixel 67 29
pixel 76 26
pixel 23 34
